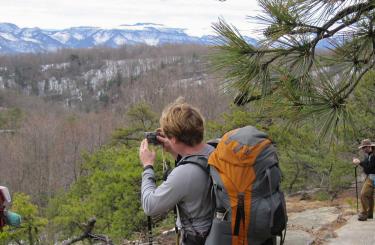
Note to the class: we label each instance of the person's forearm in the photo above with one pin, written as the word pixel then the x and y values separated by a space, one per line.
pixel 148 186
pixel 156 200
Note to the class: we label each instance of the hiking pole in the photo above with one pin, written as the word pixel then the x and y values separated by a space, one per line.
pixel 149 226
pixel 176 230
pixel 356 184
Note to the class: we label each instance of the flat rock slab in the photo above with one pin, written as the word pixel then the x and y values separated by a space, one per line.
pixel 355 232
pixel 313 219
pixel 297 238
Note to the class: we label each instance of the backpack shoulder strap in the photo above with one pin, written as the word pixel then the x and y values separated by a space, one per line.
pixel 202 162
pixel 198 160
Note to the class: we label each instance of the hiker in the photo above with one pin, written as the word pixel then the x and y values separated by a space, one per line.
pixel 4 198
pixel 367 192
pixel 188 185
pixel 7 217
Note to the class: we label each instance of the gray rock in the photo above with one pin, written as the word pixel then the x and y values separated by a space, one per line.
pixel 313 219
pixel 297 238
pixel 355 232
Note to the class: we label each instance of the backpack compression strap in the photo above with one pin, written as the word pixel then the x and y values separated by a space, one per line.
pixel 240 214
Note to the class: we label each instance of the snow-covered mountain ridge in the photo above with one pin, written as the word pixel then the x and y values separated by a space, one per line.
pixel 14 39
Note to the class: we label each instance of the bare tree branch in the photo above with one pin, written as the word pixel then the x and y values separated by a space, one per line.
pixel 87 234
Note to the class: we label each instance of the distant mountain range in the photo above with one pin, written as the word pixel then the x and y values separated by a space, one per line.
pixel 33 40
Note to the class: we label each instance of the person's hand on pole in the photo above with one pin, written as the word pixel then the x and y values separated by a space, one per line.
pixel 356 161
pixel 146 156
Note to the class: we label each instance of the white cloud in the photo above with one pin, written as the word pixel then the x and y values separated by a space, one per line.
pixel 196 16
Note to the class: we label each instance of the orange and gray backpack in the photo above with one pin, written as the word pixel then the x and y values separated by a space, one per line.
pixel 249 207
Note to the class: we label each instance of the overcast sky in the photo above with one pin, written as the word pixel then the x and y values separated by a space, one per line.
pixel 196 16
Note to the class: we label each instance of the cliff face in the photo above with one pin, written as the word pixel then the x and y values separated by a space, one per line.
pixel 71 81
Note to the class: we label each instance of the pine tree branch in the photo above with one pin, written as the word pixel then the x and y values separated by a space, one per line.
pixel 342 26
pixel 359 8
pixel 357 80
pixel 304 28
pixel 244 98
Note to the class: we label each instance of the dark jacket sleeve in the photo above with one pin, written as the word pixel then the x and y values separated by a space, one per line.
pixel 368 164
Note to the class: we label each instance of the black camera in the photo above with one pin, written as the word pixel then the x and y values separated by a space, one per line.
pixel 152 139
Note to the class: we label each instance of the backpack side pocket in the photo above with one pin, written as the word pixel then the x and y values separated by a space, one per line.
pixel 220 233
pixel 259 227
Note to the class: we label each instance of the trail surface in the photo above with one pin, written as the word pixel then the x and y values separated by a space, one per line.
pixel 355 232
pixel 329 226
pixel 320 223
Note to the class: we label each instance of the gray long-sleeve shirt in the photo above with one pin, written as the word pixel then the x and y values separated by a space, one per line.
pixel 188 186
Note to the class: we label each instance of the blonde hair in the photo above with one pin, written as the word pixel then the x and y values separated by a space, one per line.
pixel 184 122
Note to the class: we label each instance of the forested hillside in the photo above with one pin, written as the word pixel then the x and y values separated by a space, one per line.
pixel 71 123
pixel 59 105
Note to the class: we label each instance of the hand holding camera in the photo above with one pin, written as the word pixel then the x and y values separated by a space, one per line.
pixel 152 137
pixel 158 138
